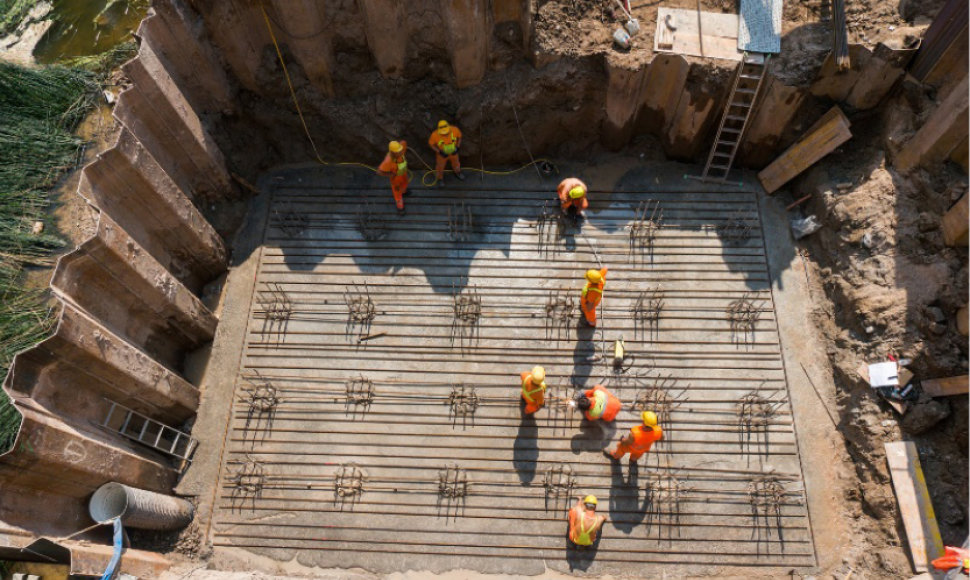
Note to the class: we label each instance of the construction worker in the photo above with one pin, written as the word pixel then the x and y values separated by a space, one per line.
pixel 395 166
pixel 446 141
pixel 572 198
pixel 534 389
pixel 954 560
pixel 599 404
pixel 640 438
pixel 592 294
pixel 584 522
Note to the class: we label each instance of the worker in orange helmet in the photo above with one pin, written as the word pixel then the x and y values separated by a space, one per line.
pixel 572 198
pixel 446 141
pixel 584 522
pixel 534 389
pixel 599 404
pixel 639 440
pixel 395 166
pixel 592 294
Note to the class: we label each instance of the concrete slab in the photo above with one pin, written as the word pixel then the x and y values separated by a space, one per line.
pixel 354 466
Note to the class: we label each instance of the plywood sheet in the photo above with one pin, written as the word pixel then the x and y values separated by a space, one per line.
pixel 703 34
pixel 922 531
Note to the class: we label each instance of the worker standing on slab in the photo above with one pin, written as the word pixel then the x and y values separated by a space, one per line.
pixel 599 404
pixel 572 198
pixel 395 166
pixel 446 141
pixel 639 440
pixel 592 294
pixel 534 389
pixel 584 522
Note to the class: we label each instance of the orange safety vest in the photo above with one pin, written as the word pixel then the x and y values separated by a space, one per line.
pixel 527 392
pixel 582 535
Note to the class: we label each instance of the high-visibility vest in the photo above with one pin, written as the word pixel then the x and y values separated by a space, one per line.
pixel 448 148
pixel 527 392
pixel 402 167
pixel 584 535
pixel 599 405
pixel 592 288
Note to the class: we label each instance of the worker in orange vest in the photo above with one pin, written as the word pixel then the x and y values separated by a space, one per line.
pixel 599 404
pixel 446 141
pixel 640 438
pixel 395 166
pixel 534 389
pixel 592 294
pixel 584 522
pixel 572 198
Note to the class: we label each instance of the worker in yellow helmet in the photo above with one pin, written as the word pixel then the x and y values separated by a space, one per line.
pixel 640 438
pixel 446 141
pixel 584 522
pixel 572 198
pixel 592 294
pixel 534 389
pixel 395 166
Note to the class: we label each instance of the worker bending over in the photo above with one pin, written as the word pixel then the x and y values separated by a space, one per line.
pixel 534 389
pixel 446 141
pixel 640 438
pixel 584 522
pixel 572 198
pixel 592 294
pixel 395 166
pixel 599 404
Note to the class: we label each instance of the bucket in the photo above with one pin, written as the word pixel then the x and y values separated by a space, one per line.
pixel 621 38
pixel 632 26
pixel 139 508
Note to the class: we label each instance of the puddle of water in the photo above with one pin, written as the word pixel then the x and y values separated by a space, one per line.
pixel 88 27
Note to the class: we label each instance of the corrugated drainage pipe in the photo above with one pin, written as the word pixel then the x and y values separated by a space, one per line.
pixel 139 508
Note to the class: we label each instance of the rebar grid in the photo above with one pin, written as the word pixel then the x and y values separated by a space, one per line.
pixel 665 495
pixel 262 398
pixel 348 486
pixel 467 312
pixel 755 414
pixel 647 221
pixel 743 315
pixel 461 222
pixel 247 483
pixel 646 312
pixel 361 310
pixel 766 493
pixel 737 229
pixel 275 308
pixel 463 402
pixel 290 221
pixel 359 395
pixel 561 413
pixel 551 226
pixel 662 396
pixel 453 488
pixel 370 223
pixel 558 481
pixel 560 311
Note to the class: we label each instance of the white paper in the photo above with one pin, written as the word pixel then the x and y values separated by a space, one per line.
pixel 884 374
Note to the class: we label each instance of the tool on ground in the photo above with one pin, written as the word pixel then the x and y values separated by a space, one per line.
pixel 619 352
pixel 623 36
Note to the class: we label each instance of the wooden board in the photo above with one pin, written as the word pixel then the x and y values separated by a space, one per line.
pixel 821 139
pixel 956 222
pixel 703 34
pixel 922 531
pixel 942 132
pixel 946 387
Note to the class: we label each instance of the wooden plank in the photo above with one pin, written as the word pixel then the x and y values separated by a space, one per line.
pixel 956 222
pixel 946 387
pixel 824 137
pixel 702 34
pixel 943 131
pixel 963 321
pixel 922 531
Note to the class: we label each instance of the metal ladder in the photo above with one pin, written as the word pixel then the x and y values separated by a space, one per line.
pixel 137 427
pixel 744 93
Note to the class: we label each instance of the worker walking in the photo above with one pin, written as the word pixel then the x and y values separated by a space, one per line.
pixel 534 389
pixel 446 141
pixel 592 294
pixel 395 166
pixel 572 198
pixel 584 522
pixel 640 438
pixel 599 404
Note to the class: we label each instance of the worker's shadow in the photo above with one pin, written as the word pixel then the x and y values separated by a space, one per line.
pixel 525 452
pixel 584 354
pixel 581 558
pixel 592 436
pixel 626 509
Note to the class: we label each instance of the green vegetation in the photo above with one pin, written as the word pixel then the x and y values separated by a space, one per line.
pixel 12 13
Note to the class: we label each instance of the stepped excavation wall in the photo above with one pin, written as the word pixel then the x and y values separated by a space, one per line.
pixel 208 100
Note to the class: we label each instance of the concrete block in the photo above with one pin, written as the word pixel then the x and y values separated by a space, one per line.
pixel 944 130
pixel 385 23
pixel 469 30
pixel 303 29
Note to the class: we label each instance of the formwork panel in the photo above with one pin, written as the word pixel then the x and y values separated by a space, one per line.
pixel 374 427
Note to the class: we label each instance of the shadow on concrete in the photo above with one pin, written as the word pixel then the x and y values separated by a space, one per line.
pixel 592 436
pixel 525 451
pixel 583 354
pixel 581 557
pixel 626 508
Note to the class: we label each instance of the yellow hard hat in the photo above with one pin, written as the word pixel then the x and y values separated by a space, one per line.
pixel 395 147
pixel 649 418
pixel 538 374
pixel 594 276
pixel 443 126
pixel 577 192
pixel 591 499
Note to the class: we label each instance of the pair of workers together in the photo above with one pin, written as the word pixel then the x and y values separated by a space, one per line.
pixel 445 141
pixel 596 404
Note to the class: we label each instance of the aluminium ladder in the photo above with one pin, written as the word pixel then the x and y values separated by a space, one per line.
pixel 137 427
pixel 737 112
